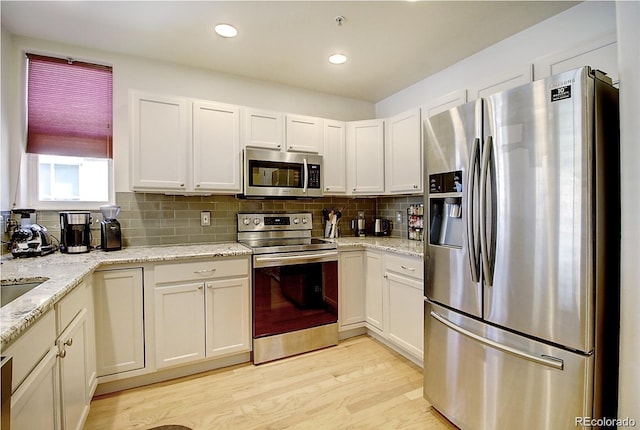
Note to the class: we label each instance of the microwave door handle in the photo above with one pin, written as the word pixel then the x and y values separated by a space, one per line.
pixel 306 175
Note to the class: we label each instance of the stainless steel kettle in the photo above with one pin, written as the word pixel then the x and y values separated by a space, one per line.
pixel 381 227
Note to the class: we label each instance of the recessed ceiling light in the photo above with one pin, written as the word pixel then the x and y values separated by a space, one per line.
pixel 337 59
pixel 226 30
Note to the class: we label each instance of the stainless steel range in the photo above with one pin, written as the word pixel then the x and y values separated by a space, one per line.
pixel 295 285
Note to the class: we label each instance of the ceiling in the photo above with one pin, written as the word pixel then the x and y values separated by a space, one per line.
pixel 390 44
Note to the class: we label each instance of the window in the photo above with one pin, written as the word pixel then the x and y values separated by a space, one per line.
pixel 69 132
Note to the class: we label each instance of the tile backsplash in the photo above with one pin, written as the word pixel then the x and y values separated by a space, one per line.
pixel 157 219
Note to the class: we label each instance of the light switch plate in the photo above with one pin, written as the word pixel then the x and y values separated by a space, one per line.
pixel 205 218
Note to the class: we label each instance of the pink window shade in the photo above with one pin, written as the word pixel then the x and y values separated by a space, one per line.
pixel 69 108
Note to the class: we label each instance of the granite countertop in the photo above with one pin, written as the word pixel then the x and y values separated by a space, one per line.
pixel 412 248
pixel 66 271
pixel 63 272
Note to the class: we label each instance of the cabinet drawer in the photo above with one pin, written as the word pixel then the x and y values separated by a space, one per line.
pixel 31 346
pixel 407 266
pixel 208 269
pixel 70 306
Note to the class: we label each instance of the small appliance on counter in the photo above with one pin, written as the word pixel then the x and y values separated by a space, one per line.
pixel 75 232
pixel 359 226
pixel 381 227
pixel 30 239
pixel 110 233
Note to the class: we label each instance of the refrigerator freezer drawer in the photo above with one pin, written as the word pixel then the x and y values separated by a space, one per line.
pixel 482 377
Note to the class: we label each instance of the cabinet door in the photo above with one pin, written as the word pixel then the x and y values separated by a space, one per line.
pixel 304 134
pixel 374 293
pixel 179 324
pixel 216 147
pixel 406 306
pixel 35 404
pixel 403 147
pixel 228 313
pixel 263 129
pixel 352 296
pixel 160 142
pixel 119 320
pixel 334 158
pixel 74 393
pixel 365 156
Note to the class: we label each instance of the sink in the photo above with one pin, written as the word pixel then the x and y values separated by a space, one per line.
pixel 12 289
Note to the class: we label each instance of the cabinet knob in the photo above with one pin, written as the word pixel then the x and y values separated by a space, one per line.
pixel 415 187
pixel 200 288
pixel 62 354
pixel 354 188
pixel 278 146
pixel 182 185
pixel 68 342
pixel 198 186
pixel 326 189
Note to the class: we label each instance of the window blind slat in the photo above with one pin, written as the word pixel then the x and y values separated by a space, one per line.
pixel 69 109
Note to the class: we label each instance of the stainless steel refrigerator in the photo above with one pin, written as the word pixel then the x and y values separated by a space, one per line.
pixel 522 256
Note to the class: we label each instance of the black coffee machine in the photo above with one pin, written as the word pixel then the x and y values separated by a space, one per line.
pixel 75 229
pixel 110 233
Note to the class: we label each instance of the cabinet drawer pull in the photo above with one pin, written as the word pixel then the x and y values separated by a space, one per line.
pixel 62 354
pixel 205 270
pixel 69 342
pixel 408 268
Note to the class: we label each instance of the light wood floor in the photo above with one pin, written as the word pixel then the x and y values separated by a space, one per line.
pixel 359 384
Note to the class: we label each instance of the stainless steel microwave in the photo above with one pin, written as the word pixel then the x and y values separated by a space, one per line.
pixel 281 174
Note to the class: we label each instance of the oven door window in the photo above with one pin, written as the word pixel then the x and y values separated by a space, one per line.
pixel 289 298
pixel 276 174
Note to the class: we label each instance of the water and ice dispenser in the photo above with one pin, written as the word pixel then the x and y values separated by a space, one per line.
pixel 445 209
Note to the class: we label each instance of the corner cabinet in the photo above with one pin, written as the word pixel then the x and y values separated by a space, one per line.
pixel 365 157
pixel 201 310
pixel 180 145
pixel 119 320
pixel 403 153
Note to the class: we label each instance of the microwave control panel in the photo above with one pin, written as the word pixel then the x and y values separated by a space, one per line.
pixel 314 176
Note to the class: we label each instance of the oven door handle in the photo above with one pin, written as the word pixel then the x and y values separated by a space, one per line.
pixel 296 259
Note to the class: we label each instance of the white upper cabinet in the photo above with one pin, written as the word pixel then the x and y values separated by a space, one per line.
pixel 365 157
pixel 160 142
pixel 403 153
pixel 182 145
pixel 304 134
pixel 335 158
pixel 263 129
pixel 216 147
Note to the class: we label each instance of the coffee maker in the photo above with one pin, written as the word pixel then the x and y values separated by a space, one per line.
pixel 75 232
pixel 110 233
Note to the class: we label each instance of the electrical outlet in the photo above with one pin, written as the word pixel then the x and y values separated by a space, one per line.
pixel 399 217
pixel 205 218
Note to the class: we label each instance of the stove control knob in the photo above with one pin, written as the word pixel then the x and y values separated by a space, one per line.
pixel 256 221
pixel 296 220
pixel 304 220
pixel 246 221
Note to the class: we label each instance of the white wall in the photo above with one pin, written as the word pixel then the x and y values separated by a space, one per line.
pixel 629 66
pixel 582 26
pixel 4 124
pixel 162 78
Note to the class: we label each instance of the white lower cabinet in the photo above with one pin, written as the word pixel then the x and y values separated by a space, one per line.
pixel 351 304
pixel 403 276
pixel 55 371
pixel 374 295
pixel 119 320
pixel 75 397
pixel 385 290
pixel 199 318
pixel 35 405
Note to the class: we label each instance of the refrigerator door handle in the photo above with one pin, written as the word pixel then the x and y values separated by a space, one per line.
pixel 471 206
pixel 484 247
pixel 545 360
